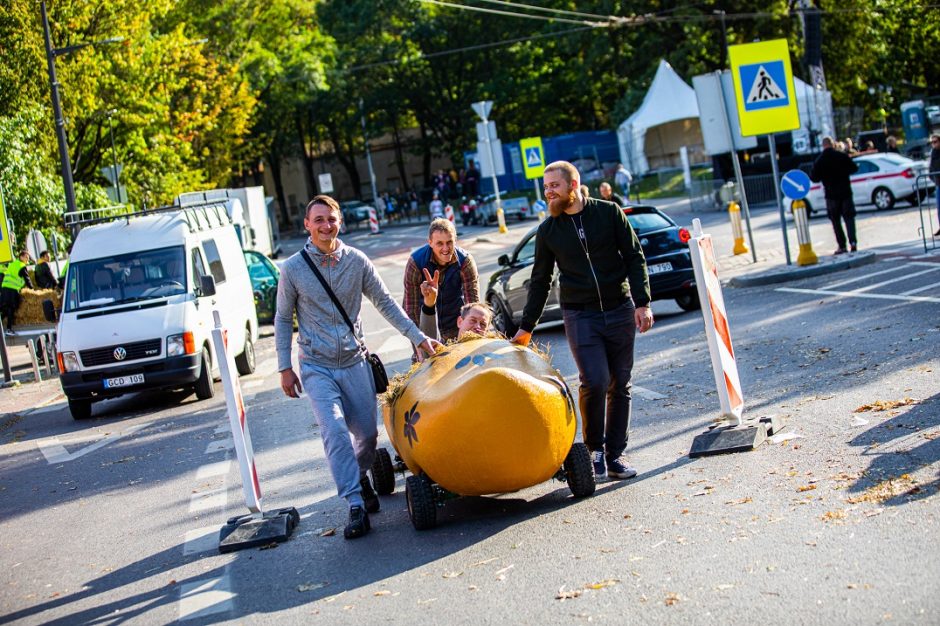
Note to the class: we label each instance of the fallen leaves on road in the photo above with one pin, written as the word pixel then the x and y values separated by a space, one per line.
pixel 384 592
pixel 671 599
pixel 567 595
pixel 740 501
pixel 311 586
pixel 805 488
pixel 570 594
pixel 451 574
pixel 609 582
pixel 885 405
pixel 887 489
pixel 831 516
pixel 269 546
pixel 328 532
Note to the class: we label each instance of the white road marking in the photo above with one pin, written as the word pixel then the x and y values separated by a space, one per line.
pixel 855 294
pixel 894 280
pixel 48 409
pixel 54 449
pixel 251 384
pixel 205 597
pixel 214 469
pixel 215 499
pixel 864 277
pixel 919 289
pixel 635 390
pixel 203 539
pixel 220 446
pixel 224 427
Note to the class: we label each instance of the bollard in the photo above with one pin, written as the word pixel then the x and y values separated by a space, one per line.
pixel 734 212
pixel 501 219
pixel 449 214
pixel 34 360
pixel 806 255
pixel 373 221
pixel 539 207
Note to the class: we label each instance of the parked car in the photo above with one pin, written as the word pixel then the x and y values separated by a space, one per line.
pixel 264 276
pixel 668 261
pixel 356 211
pixel 512 207
pixel 882 179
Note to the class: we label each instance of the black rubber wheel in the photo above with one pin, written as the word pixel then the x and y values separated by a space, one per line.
pixel 204 387
pixel 882 198
pixel 502 321
pixel 80 409
pixel 580 471
pixel 421 506
pixel 689 301
pixel 245 362
pixel 383 472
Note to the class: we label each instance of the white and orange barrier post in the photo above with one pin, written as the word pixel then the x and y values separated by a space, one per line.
pixel 449 214
pixel 257 528
pixel 373 221
pixel 734 434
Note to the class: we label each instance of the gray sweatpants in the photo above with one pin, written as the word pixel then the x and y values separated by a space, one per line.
pixel 344 404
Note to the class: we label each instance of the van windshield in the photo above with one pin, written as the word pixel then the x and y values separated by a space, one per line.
pixel 125 278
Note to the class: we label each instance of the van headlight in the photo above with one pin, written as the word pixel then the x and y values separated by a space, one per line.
pixel 181 344
pixel 68 362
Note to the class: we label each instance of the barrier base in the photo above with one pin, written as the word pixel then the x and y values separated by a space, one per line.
pixel 723 439
pixel 774 424
pixel 248 531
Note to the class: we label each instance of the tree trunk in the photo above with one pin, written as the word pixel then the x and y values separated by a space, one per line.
pixel 274 160
pixel 425 154
pixel 400 157
pixel 309 176
pixel 347 160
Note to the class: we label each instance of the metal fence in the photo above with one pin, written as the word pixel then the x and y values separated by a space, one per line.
pixel 704 195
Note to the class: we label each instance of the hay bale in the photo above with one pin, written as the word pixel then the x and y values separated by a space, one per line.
pixel 30 311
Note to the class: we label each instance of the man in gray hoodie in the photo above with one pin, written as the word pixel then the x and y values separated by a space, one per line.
pixel 333 368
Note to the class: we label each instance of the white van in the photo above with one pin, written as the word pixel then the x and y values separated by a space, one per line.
pixel 250 214
pixel 139 296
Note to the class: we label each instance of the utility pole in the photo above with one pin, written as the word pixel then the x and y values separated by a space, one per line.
pixel 57 111
pixel 365 137
pixel 114 167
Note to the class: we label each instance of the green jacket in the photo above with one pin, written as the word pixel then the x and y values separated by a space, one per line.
pixel 16 277
pixel 614 271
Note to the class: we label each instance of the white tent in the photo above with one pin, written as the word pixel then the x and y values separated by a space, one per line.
pixel 670 107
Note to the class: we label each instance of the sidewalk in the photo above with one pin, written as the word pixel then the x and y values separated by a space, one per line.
pixel 24 394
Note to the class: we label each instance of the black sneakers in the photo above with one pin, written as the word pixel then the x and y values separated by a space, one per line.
pixel 618 468
pixel 368 495
pixel 358 524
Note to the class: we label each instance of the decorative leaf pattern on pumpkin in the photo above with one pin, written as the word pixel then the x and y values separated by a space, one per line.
pixel 411 418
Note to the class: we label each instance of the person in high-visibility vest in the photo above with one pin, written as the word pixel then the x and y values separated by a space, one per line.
pixel 14 279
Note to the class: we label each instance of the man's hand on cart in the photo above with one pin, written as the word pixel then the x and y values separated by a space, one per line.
pixel 522 338
pixel 428 348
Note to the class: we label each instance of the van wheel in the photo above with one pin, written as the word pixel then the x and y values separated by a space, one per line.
pixel 245 362
pixel 204 387
pixel 80 409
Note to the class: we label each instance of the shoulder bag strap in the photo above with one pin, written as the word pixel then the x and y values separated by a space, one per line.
pixel 332 295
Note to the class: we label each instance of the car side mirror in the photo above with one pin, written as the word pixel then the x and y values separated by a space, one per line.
pixel 206 286
pixel 503 259
pixel 48 311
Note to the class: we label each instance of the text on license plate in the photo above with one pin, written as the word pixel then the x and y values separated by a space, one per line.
pixel 659 267
pixel 123 381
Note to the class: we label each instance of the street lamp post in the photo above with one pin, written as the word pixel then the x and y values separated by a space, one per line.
pixel 114 167
pixel 51 54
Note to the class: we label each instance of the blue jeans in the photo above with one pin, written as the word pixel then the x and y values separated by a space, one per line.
pixel 602 346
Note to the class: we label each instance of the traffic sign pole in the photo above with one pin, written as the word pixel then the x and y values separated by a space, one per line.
pixel 783 217
pixel 483 109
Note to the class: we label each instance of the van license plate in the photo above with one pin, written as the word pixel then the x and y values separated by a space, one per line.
pixel 123 381
pixel 656 268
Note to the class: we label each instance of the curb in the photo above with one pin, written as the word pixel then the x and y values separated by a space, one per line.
pixel 787 273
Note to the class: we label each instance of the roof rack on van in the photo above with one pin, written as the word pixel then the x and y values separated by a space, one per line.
pixel 198 216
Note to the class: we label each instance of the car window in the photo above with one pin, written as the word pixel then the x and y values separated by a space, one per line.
pixel 215 261
pixel 258 270
pixel 527 251
pixel 646 222
pixel 866 167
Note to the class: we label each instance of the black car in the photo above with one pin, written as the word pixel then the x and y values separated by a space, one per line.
pixel 664 243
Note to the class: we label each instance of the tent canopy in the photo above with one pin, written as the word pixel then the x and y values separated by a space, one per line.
pixel 668 99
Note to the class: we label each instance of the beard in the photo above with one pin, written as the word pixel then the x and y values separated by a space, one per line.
pixel 558 206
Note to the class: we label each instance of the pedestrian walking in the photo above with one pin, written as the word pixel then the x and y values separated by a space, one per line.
pixel 834 168
pixel 15 278
pixel 935 169
pixel 436 208
pixel 605 298
pixel 624 179
pixel 333 365
pixel 459 281
pixel 607 193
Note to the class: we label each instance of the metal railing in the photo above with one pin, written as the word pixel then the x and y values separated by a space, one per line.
pixel 922 192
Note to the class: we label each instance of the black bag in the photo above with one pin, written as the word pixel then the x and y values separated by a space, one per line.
pixel 379 375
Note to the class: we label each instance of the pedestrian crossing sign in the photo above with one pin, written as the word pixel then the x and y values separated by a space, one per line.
pixel 533 157
pixel 763 87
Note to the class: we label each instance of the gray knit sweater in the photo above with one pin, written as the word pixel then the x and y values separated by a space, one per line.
pixel 324 338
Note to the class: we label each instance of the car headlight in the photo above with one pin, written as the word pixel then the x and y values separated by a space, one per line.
pixel 181 344
pixel 68 362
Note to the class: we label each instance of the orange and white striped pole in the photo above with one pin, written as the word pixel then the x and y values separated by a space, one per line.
pixel 373 221
pixel 717 329
pixel 449 214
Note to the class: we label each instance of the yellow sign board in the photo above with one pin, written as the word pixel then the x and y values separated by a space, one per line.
pixel 533 157
pixel 763 87
pixel 6 245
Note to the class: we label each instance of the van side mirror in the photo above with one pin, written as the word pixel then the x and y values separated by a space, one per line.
pixel 206 286
pixel 503 260
pixel 48 311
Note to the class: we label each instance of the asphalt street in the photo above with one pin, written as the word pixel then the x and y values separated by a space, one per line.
pixel 834 521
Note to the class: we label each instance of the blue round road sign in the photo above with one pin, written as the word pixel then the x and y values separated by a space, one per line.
pixel 795 184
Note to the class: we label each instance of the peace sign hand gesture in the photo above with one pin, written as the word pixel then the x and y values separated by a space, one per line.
pixel 429 287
